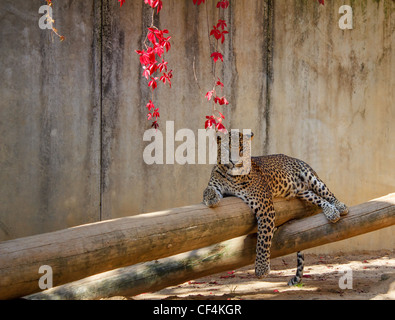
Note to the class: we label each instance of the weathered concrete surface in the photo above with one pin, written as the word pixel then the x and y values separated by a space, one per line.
pixel 129 185
pixel 333 99
pixel 73 113
pixel 49 119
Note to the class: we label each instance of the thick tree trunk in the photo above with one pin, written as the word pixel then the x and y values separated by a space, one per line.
pixel 159 274
pixel 290 237
pixel 90 249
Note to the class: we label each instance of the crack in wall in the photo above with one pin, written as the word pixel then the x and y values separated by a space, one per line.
pixel 269 46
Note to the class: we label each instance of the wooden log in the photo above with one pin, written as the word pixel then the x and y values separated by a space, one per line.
pixel 82 251
pixel 155 275
pixel 315 231
pixel 292 236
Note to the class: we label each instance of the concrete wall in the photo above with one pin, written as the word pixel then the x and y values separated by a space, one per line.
pixel 129 185
pixel 73 115
pixel 333 99
pixel 49 119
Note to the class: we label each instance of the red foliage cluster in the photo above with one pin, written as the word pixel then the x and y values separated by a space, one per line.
pixel 153 62
pixel 223 4
pixel 160 43
pixel 154 4
pixel 218 32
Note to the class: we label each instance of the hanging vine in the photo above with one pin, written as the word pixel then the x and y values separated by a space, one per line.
pixel 155 67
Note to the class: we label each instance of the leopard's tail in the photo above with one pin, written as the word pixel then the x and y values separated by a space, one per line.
pixel 299 270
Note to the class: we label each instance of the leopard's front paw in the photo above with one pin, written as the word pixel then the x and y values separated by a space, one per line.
pixel 211 197
pixel 331 213
pixel 341 207
pixel 262 268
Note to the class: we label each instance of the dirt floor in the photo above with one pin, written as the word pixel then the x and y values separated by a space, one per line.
pixel 359 276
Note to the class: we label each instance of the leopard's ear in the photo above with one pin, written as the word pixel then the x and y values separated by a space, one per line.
pixel 251 135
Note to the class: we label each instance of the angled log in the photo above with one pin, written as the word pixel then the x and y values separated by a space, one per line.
pixel 315 231
pixel 82 251
pixel 155 275
pixel 291 237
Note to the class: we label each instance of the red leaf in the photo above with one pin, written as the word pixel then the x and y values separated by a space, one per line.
pixel 156 114
pixel 222 24
pixel 223 4
pixel 210 122
pixel 152 68
pixel 198 2
pixel 154 4
pixel 146 72
pixel 216 56
pixel 224 101
pixel 221 101
pixel 160 5
pixel 215 32
pixel 162 65
pixel 153 83
pixel 159 50
pixel 221 128
pixel 151 35
pixel 150 105
pixel 147 57
pixel 223 36
pixel 165 42
pixel 166 77
pixel 209 95
pixel 121 2
pixel 219 83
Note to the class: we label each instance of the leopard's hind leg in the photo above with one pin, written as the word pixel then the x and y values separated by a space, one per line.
pixel 318 193
pixel 329 210
pixel 320 188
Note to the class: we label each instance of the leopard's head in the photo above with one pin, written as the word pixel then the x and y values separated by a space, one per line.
pixel 234 152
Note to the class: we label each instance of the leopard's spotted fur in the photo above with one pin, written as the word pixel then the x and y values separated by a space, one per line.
pixel 270 176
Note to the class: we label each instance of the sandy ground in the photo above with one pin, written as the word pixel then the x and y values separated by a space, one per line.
pixel 371 275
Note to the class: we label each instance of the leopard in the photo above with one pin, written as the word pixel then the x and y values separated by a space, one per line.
pixel 258 183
